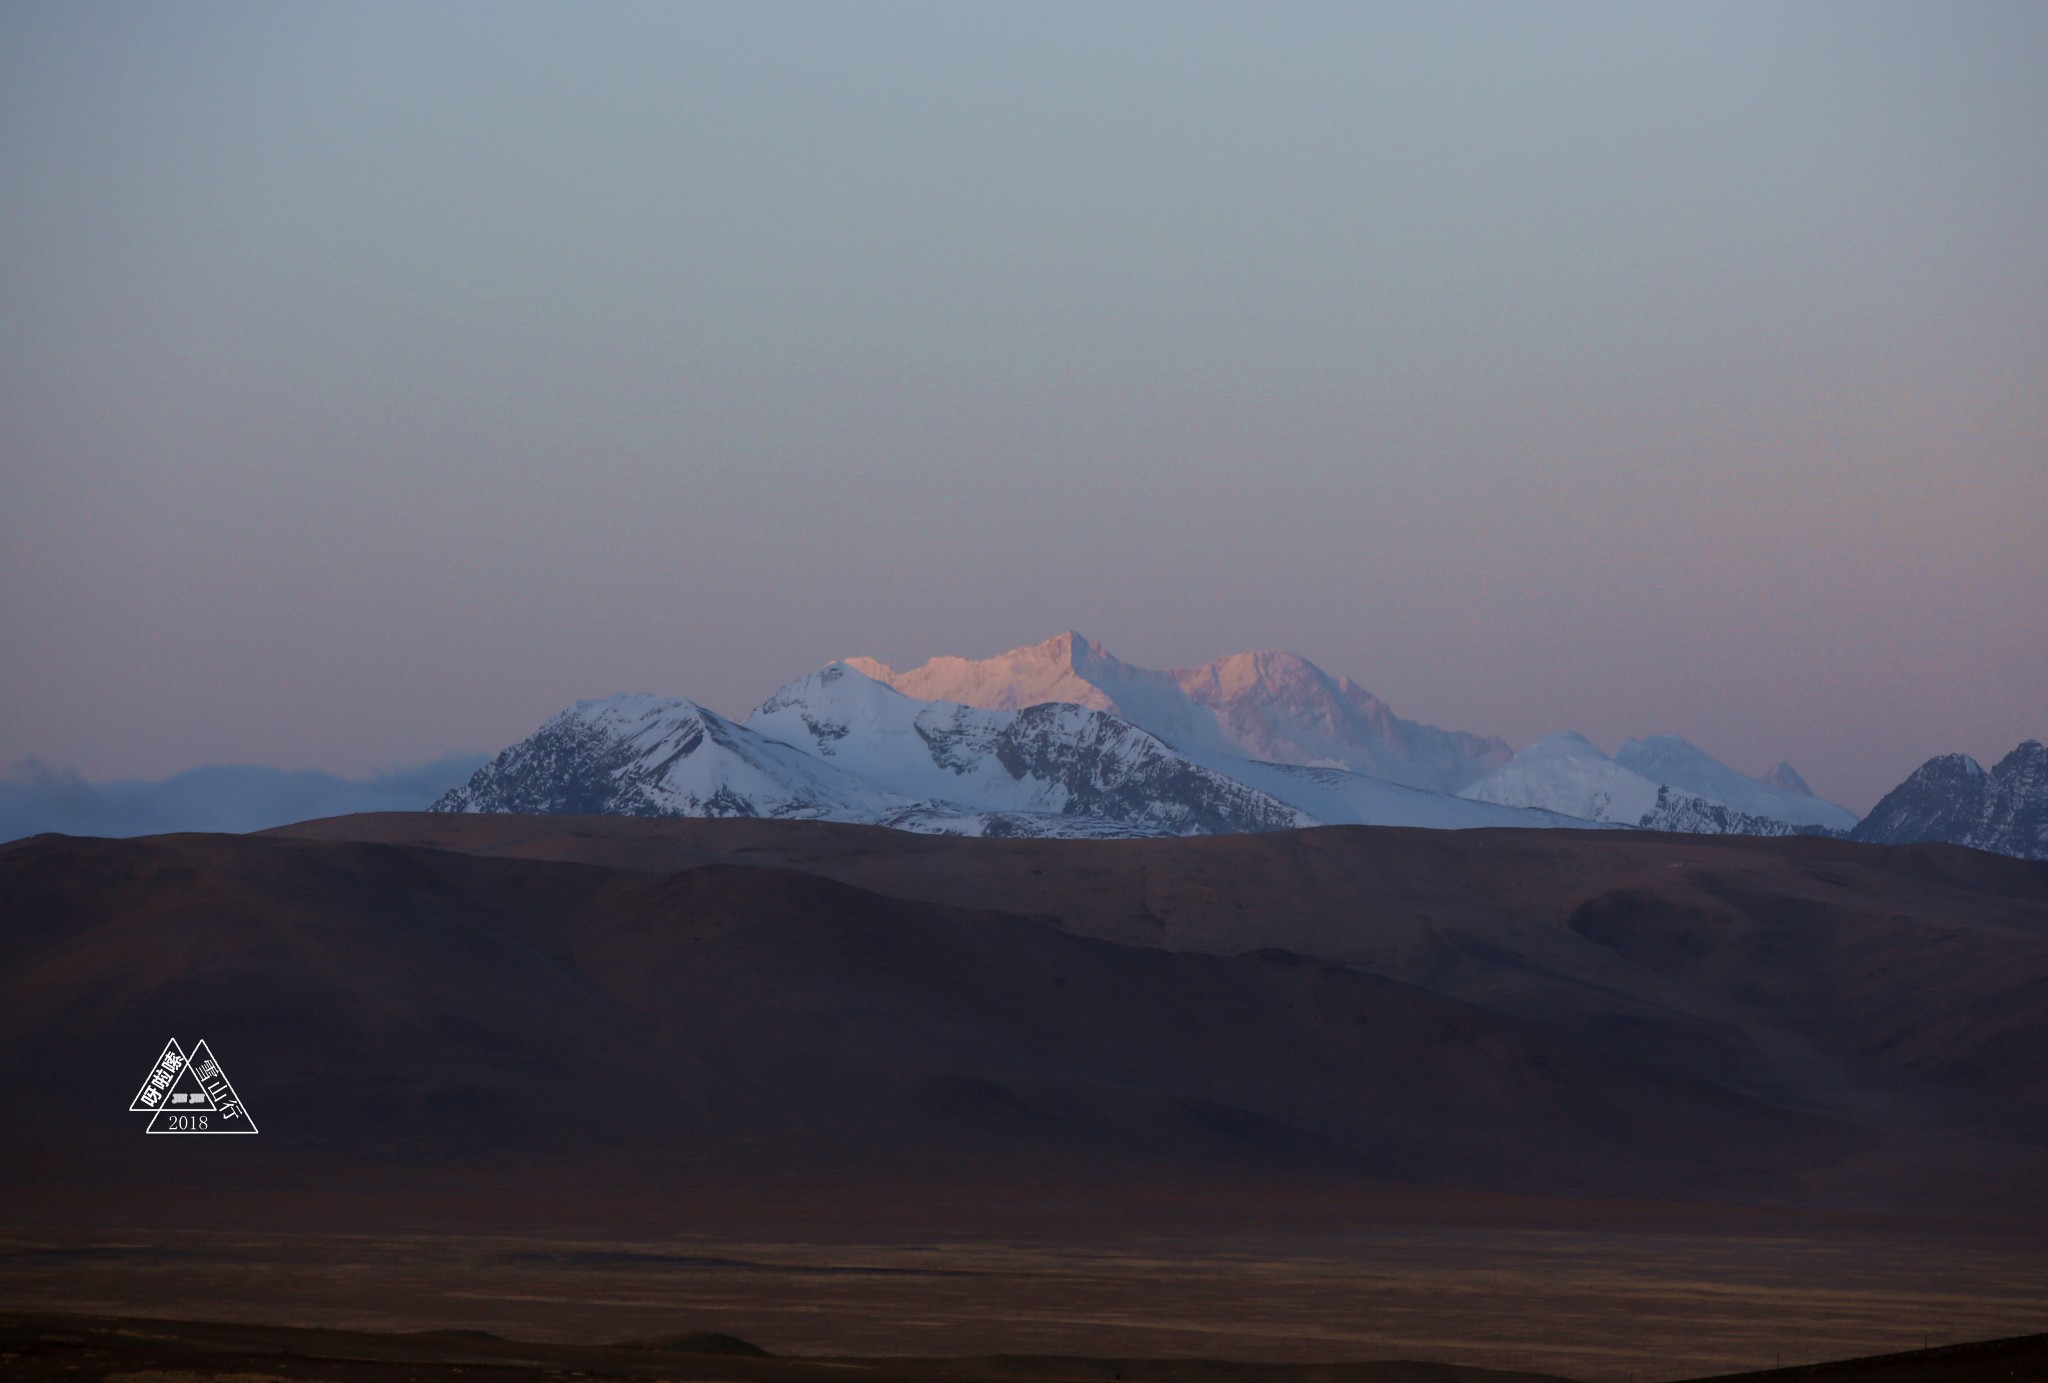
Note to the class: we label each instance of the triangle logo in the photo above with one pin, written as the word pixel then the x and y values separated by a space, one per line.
pixel 191 1095
pixel 157 1083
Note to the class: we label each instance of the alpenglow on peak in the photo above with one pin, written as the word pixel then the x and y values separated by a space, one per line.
pixel 1268 705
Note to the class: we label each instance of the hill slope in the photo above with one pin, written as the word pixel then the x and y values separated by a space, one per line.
pixel 390 1007
pixel 1903 990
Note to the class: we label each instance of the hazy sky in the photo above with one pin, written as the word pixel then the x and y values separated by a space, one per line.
pixel 375 380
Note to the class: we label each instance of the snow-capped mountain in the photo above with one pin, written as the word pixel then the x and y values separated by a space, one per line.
pixel 664 756
pixel 1951 798
pixel 1056 759
pixel 840 746
pixel 1783 775
pixel 1943 799
pixel 2015 820
pixel 1272 707
pixel 1062 757
pixel 1565 773
pixel 1672 762
pixel 1663 783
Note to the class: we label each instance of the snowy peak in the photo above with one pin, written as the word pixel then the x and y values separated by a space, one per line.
pixel 1567 773
pixel 1671 761
pixel 1951 798
pixel 828 704
pixel 1785 778
pixel 1055 670
pixel 636 755
pixel 1662 782
pixel 1943 799
pixel 2016 807
pixel 1282 708
pixel 1271 706
pixel 1055 757
pixel 1266 672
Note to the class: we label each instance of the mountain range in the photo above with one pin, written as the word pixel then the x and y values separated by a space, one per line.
pixel 1662 782
pixel 838 745
pixel 1062 738
pixel 214 797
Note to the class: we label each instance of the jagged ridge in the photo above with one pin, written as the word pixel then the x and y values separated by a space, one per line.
pixel 1951 798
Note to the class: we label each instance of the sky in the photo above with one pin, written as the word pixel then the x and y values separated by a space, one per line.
pixel 377 379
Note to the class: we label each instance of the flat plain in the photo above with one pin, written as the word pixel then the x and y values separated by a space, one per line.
pixel 1582 1303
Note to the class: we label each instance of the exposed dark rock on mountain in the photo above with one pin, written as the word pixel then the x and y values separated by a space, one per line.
pixel 2016 808
pixel 1675 811
pixel 1951 798
pixel 615 757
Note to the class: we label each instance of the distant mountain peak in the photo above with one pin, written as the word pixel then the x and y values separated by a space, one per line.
pixel 2027 756
pixel 1785 778
pixel 1267 705
pixel 1066 649
pixel 1070 644
pixel 640 755
pixel 1238 673
pixel 1951 798
pixel 1560 743
pixel 1660 781
pixel 1566 772
pixel 1053 670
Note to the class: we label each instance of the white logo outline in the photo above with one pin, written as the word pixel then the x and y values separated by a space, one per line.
pixel 209 1106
